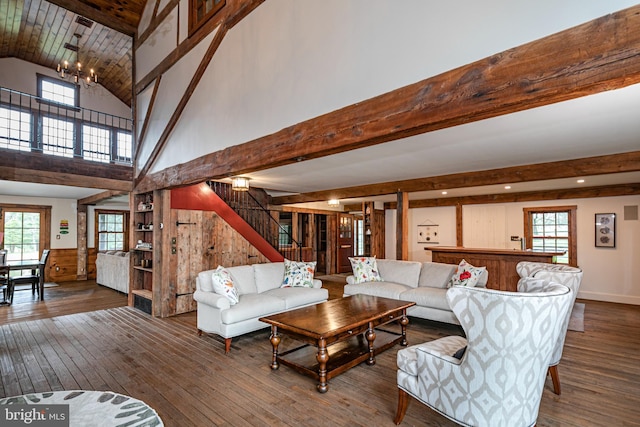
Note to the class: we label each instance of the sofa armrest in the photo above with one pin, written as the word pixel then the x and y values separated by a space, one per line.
pixel 317 283
pixel 351 280
pixel 212 299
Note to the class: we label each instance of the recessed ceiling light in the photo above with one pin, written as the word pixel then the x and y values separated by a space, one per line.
pixel 580 181
pixel 444 192
pixel 507 187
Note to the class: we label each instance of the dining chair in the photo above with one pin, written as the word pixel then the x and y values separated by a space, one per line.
pixel 5 284
pixel 35 277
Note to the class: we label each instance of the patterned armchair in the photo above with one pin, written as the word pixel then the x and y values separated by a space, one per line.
pixel 499 379
pixel 558 273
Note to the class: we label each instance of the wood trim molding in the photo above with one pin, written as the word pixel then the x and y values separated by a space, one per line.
pixel 402 226
pixel 603 54
pixel 97 198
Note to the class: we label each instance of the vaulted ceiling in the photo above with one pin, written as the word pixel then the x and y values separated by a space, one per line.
pixel 37 31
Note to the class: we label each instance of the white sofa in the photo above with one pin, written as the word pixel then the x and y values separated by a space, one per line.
pixel 424 283
pixel 112 270
pixel 260 294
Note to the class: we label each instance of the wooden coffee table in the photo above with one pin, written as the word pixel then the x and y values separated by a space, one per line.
pixel 338 334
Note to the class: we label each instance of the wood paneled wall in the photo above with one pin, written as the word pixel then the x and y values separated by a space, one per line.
pixel 62 265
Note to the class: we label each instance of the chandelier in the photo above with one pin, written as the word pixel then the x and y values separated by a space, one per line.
pixel 74 72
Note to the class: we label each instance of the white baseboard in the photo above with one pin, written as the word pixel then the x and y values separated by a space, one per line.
pixel 621 299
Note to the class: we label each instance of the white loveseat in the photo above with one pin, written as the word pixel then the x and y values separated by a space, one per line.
pixel 424 283
pixel 112 270
pixel 259 293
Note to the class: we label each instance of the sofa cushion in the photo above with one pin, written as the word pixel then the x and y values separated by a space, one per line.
pixel 365 269
pixel 251 306
pixel 466 275
pixel 298 274
pixel 403 272
pixel 377 289
pixel 223 284
pixel 243 279
pixel 268 275
pixel 299 296
pixel 427 296
pixel 436 274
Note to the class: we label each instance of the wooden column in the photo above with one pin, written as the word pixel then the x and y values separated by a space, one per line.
pixel 402 227
pixel 81 218
pixel 458 225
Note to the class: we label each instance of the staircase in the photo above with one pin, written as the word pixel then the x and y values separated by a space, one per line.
pixel 250 206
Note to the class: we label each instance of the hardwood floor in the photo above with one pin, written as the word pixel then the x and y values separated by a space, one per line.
pixel 191 382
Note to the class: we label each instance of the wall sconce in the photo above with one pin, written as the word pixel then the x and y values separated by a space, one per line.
pixel 333 203
pixel 240 183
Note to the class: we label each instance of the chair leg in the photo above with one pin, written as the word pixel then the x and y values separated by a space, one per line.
pixel 553 371
pixel 403 403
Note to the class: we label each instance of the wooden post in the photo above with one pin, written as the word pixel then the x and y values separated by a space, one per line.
pixel 81 273
pixel 458 225
pixel 402 227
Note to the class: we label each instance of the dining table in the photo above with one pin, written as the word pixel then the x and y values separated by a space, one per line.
pixel 9 266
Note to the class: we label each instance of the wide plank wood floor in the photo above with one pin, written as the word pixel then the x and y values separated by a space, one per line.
pixel 191 382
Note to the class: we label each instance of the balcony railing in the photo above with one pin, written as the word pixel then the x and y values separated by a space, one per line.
pixel 30 123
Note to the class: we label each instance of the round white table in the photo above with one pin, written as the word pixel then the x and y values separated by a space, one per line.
pixel 93 408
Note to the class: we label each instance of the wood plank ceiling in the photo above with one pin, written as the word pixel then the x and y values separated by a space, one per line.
pixel 37 30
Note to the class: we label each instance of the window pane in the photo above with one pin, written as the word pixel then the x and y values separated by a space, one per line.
pixel 57 137
pixel 96 143
pixel 125 147
pixel 56 92
pixel 111 231
pixel 15 129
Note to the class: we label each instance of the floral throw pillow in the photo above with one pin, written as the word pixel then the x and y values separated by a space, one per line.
pixel 466 275
pixel 223 284
pixel 298 274
pixel 365 269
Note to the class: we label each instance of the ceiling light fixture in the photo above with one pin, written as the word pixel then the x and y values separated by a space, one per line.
pixel 580 181
pixel 507 187
pixel 240 183
pixel 333 203
pixel 74 71
pixel 444 193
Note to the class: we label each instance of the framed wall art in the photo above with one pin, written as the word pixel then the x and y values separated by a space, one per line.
pixel 605 230
pixel 428 234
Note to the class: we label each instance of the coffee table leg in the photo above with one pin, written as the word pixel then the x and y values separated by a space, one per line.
pixel 371 336
pixel 404 321
pixel 275 342
pixel 322 357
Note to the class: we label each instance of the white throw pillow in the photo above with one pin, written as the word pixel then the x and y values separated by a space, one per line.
pixel 466 275
pixel 365 269
pixel 298 274
pixel 223 284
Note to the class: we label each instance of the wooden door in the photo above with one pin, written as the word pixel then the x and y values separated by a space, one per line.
pixel 346 237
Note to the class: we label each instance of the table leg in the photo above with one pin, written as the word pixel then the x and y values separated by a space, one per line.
pixel 404 321
pixel 371 336
pixel 41 284
pixel 275 342
pixel 322 357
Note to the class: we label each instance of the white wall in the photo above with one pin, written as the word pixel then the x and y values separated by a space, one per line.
pixel 609 273
pixel 20 75
pixel 292 60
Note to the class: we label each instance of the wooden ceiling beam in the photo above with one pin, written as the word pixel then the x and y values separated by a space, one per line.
pixel 600 55
pixel 599 165
pixel 41 169
pixel 530 196
pixel 97 198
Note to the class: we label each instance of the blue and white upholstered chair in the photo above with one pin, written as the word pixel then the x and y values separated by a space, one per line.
pixel 566 275
pixel 499 379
